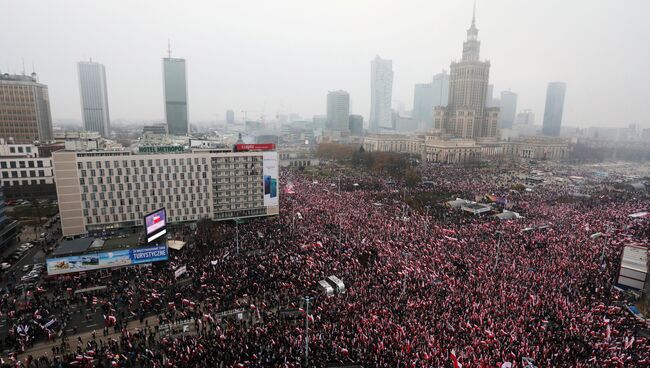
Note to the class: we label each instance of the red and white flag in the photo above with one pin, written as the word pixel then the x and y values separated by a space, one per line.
pixel 454 359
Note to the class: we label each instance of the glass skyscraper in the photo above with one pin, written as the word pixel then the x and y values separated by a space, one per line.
pixel 94 98
pixel 508 110
pixel 554 108
pixel 175 95
pixel 381 92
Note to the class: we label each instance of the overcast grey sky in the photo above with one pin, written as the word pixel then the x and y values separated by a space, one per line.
pixel 288 53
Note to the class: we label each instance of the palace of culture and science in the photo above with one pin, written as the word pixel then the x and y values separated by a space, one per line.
pixel 466 115
pixel 466 129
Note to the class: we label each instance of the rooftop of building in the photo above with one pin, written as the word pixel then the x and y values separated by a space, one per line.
pixel 90 244
pixel 19 77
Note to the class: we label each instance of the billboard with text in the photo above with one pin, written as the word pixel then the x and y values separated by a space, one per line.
pixel 270 173
pixel 117 258
pixel 254 147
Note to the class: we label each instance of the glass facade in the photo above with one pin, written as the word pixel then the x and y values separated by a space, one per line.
pixel 554 108
pixel 175 95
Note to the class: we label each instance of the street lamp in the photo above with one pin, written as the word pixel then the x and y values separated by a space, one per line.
pixel 427 215
pixel 406 256
pixel 308 300
pixel 605 244
pixel 339 184
pixel 237 233
pixel 496 261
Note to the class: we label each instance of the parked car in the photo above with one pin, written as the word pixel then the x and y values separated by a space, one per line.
pixel 29 245
pixel 34 274
pixel 27 268
pixel 43 235
pixel 5 266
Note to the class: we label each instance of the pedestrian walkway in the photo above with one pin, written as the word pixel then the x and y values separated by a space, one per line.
pixel 45 347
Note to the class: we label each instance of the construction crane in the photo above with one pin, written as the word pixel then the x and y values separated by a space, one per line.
pixel 245 113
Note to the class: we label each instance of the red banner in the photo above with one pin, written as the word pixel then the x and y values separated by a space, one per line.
pixel 255 147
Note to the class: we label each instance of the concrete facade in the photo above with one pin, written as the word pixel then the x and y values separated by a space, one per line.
pixel 25 115
pixel 100 190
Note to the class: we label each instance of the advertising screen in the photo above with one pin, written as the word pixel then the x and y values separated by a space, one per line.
pixel 155 221
pixel 155 224
pixel 255 147
pixel 270 172
pixel 117 258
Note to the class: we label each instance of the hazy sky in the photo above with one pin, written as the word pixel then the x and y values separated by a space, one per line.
pixel 286 54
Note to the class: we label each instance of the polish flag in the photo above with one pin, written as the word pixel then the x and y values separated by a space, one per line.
pixel 454 360
pixel 156 219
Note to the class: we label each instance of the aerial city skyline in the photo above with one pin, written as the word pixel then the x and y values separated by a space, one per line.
pixel 210 105
pixel 324 183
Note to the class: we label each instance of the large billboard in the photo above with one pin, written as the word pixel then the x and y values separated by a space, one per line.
pixel 254 147
pixel 155 224
pixel 117 258
pixel 271 178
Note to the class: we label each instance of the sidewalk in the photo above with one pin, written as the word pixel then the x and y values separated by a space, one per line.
pixel 45 347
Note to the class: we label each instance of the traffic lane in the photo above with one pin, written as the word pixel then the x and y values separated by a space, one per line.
pixel 80 316
pixel 13 274
pixel 78 319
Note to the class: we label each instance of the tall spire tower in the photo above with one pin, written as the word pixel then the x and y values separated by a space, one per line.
pixel 466 115
pixel 472 46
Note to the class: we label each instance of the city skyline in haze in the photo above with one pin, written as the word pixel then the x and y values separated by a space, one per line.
pixel 284 56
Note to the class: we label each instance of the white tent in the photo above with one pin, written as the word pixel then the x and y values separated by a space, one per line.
pixel 176 244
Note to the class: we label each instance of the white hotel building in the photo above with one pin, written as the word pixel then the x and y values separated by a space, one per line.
pixel 103 190
pixel 21 165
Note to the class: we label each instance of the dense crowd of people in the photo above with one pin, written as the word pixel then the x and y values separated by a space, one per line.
pixel 419 284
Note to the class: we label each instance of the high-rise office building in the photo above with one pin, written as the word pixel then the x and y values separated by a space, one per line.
pixel 381 93
pixel 175 95
pixel 466 114
pixel 490 101
pixel 554 108
pixel 94 98
pixel 230 117
pixel 427 96
pixel 338 110
pixel 526 117
pixel 441 89
pixel 423 103
pixel 24 109
pixel 356 124
pixel 508 109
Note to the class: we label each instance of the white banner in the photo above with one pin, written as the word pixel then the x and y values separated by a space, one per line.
pixel 180 271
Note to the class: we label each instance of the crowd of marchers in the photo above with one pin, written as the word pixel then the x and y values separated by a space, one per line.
pixel 424 288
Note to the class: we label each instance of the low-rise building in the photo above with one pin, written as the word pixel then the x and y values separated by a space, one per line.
pixel 411 144
pixel 23 173
pixel 538 148
pixel 451 151
pixel 297 157
pixel 435 147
